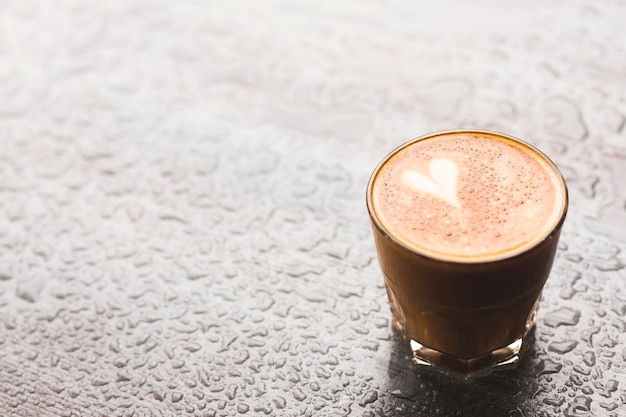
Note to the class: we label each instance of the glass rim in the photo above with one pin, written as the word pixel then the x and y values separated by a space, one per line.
pixel 455 259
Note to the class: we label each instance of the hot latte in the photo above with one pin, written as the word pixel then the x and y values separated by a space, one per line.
pixel 466 226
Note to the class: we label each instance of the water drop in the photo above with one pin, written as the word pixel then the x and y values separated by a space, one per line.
pixel 609 406
pixel 556 401
pixel 279 402
pixel 611 264
pixel 266 409
pixel 99 381
pixel 580 406
pixel 619 306
pixel 30 290
pixel 563 347
pixel 299 395
pixel 608 342
pixel 548 366
pixel 567 293
pixel 369 397
pixel 589 358
pixel 563 316
pixel 609 388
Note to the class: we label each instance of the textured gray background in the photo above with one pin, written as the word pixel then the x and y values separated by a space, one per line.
pixel 182 216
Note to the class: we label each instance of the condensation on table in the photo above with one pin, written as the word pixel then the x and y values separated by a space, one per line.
pixel 182 209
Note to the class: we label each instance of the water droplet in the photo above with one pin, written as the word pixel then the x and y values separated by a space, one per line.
pixel 555 401
pixel 611 264
pixel 562 347
pixel 29 290
pixel 587 334
pixel 56 388
pixel 120 362
pixel 266 409
pixel 299 395
pixel 612 406
pixel 575 379
pixel 587 390
pixel 580 406
pixel 589 358
pixel 123 377
pixel 619 306
pixel 279 402
pixel 567 293
pixel 548 366
pixel 369 397
pixel 322 373
pixel 563 316
pixel 370 345
pixel 609 388
pixel 6 270
pixel 99 381
pixel 581 370
pixel 242 357
pixel 608 342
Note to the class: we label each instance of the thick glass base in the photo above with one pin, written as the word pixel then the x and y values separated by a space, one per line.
pixel 500 359
pixel 475 363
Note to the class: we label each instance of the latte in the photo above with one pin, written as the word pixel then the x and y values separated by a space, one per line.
pixel 466 226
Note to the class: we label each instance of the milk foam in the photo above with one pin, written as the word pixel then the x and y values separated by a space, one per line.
pixel 442 181
pixel 468 196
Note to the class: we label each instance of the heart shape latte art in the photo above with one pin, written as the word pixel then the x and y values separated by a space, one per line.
pixel 441 182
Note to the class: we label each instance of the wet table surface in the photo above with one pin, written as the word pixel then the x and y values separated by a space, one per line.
pixel 182 209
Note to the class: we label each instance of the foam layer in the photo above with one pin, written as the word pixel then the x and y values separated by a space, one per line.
pixel 468 196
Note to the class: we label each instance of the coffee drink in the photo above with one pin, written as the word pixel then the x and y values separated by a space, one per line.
pixel 466 225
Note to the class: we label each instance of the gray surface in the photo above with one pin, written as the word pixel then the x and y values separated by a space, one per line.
pixel 182 215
